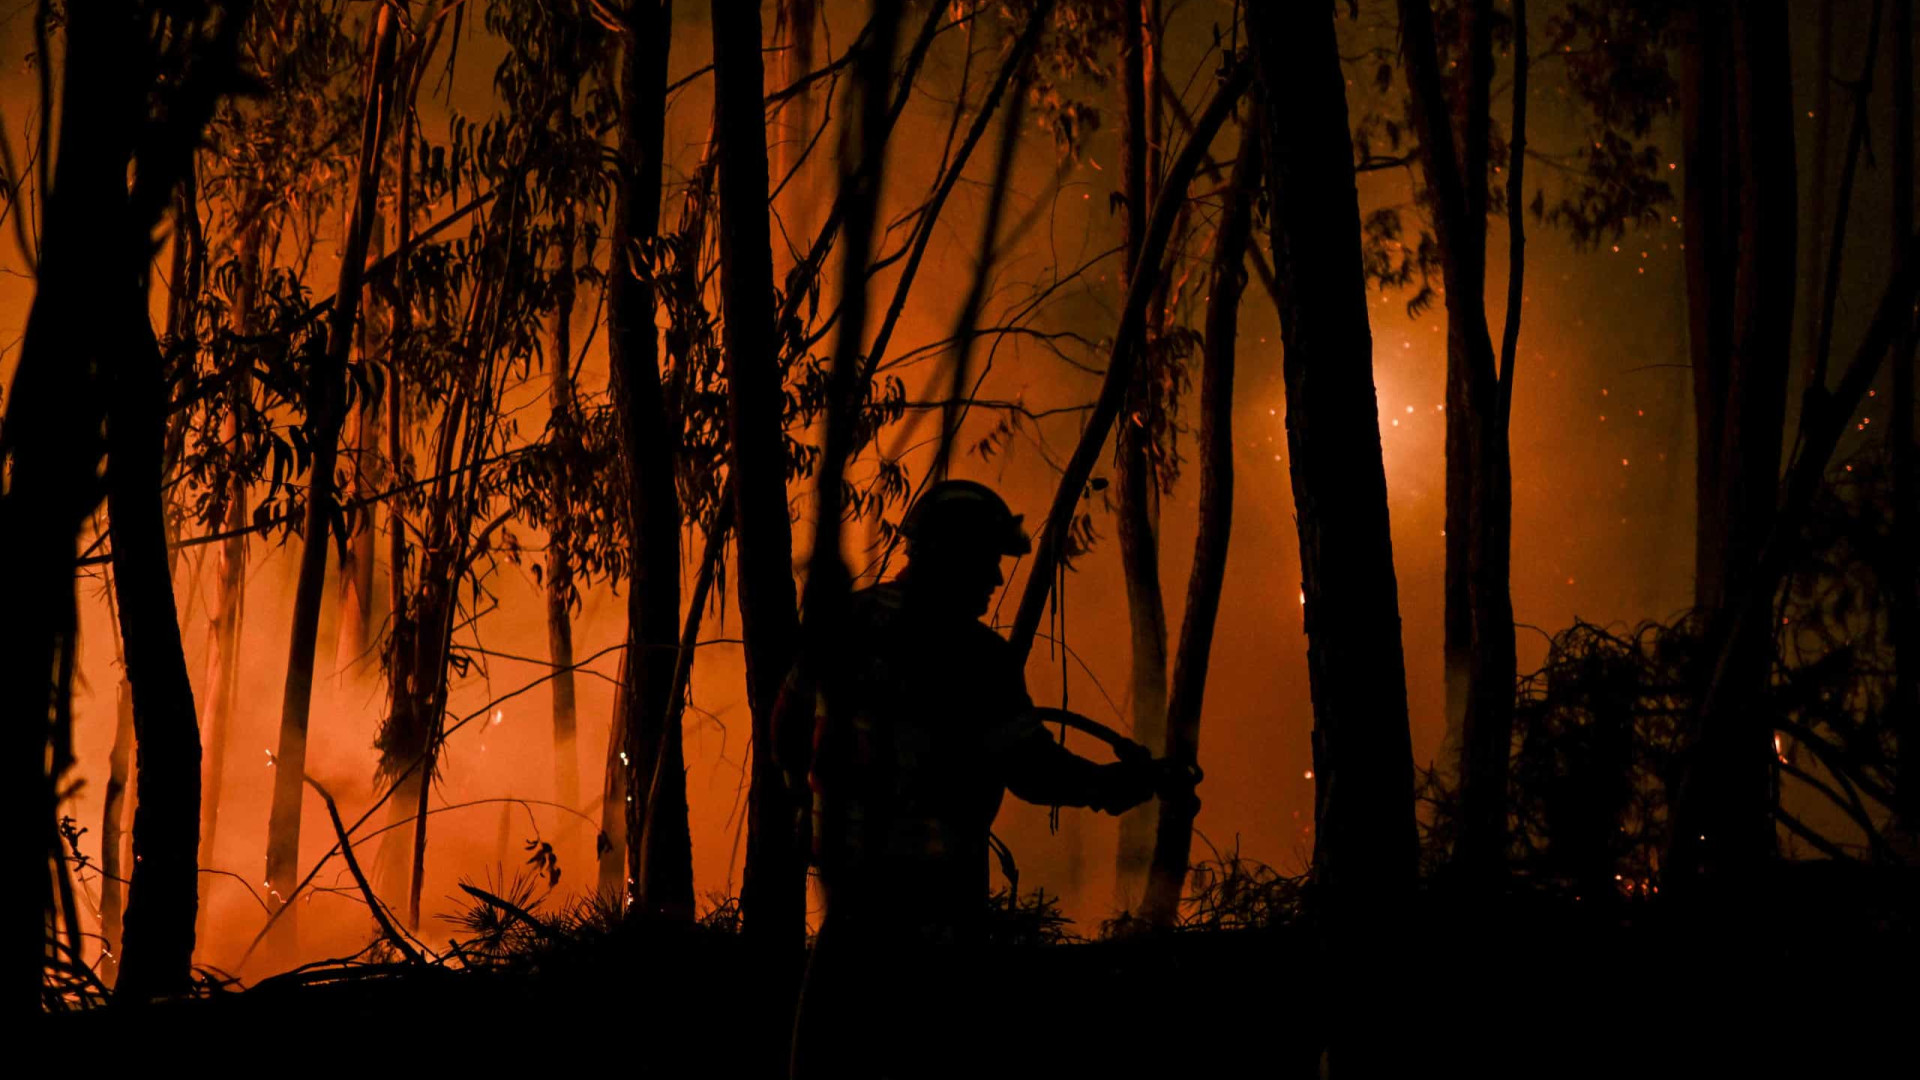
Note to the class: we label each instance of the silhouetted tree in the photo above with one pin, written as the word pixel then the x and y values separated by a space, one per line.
pixel 1226 277
pixel 135 91
pixel 1129 342
pixel 1364 839
pixel 325 405
pixel 1363 852
pixel 559 566
pixel 1455 143
pixel 1741 235
pixel 1136 491
pixel 773 897
pixel 1906 485
pixel 659 859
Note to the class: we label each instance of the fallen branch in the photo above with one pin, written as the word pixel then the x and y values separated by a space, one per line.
pixel 379 910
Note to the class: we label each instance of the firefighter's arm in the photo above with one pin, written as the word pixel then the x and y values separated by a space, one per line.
pixel 1040 770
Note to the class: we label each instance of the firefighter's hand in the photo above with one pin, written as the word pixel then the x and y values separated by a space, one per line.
pixel 1176 783
pixel 1125 784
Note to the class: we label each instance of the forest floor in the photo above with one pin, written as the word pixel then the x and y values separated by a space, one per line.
pixel 1806 985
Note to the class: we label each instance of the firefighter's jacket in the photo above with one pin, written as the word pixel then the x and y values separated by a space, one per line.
pixel 908 771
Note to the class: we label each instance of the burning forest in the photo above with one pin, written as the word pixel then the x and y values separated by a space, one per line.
pixel 775 537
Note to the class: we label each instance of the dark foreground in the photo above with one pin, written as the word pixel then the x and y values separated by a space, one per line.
pixel 1801 986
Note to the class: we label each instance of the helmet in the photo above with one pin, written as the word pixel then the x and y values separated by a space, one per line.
pixel 964 512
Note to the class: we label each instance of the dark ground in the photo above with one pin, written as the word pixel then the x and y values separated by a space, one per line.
pixel 1802 985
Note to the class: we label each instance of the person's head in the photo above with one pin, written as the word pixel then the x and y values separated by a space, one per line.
pixel 957 532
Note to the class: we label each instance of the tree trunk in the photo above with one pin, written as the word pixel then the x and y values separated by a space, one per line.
pixel 1364 848
pixel 323 428
pixel 659 849
pixel 559 575
pixel 355 603
pixel 223 628
pixel 113 834
pixel 773 894
pixel 51 454
pixel 1128 343
pixel 1906 495
pixel 223 670
pixel 1454 145
pixel 613 881
pixel 1136 502
pixel 1363 851
pixel 156 956
pixel 797 21
pixel 1740 233
pixel 1173 836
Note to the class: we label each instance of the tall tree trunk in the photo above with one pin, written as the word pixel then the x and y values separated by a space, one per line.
pixel 323 427
pixel 114 177
pixel 566 754
pixel 1740 233
pixel 659 849
pixel 113 827
pixel 1821 157
pixel 1454 148
pixel 355 604
pixel 773 893
pixel 1906 495
pixel 797 28
pixel 1173 835
pixel 1136 502
pixel 1364 840
pixel 390 859
pixel 223 628
pixel 52 453
pixel 223 671
pixel 613 881
pixel 1364 834
pixel 156 955
pixel 1128 343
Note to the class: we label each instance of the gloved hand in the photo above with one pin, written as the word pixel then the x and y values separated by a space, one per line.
pixel 1177 783
pixel 1125 784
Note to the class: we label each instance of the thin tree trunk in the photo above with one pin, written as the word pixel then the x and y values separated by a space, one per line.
pixel 773 893
pixel 355 604
pixel 389 866
pixel 323 426
pixel 1129 341
pixel 967 323
pixel 613 881
pixel 223 670
pixel 1454 148
pixel 1173 837
pixel 797 23
pixel 223 628
pixel 113 834
pixel 1135 521
pixel 659 851
pixel 559 575
pixel 1822 159
pixel 1740 233
pixel 1906 494
pixel 156 955
pixel 662 782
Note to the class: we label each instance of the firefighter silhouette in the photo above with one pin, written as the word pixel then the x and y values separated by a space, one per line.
pixel 931 726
